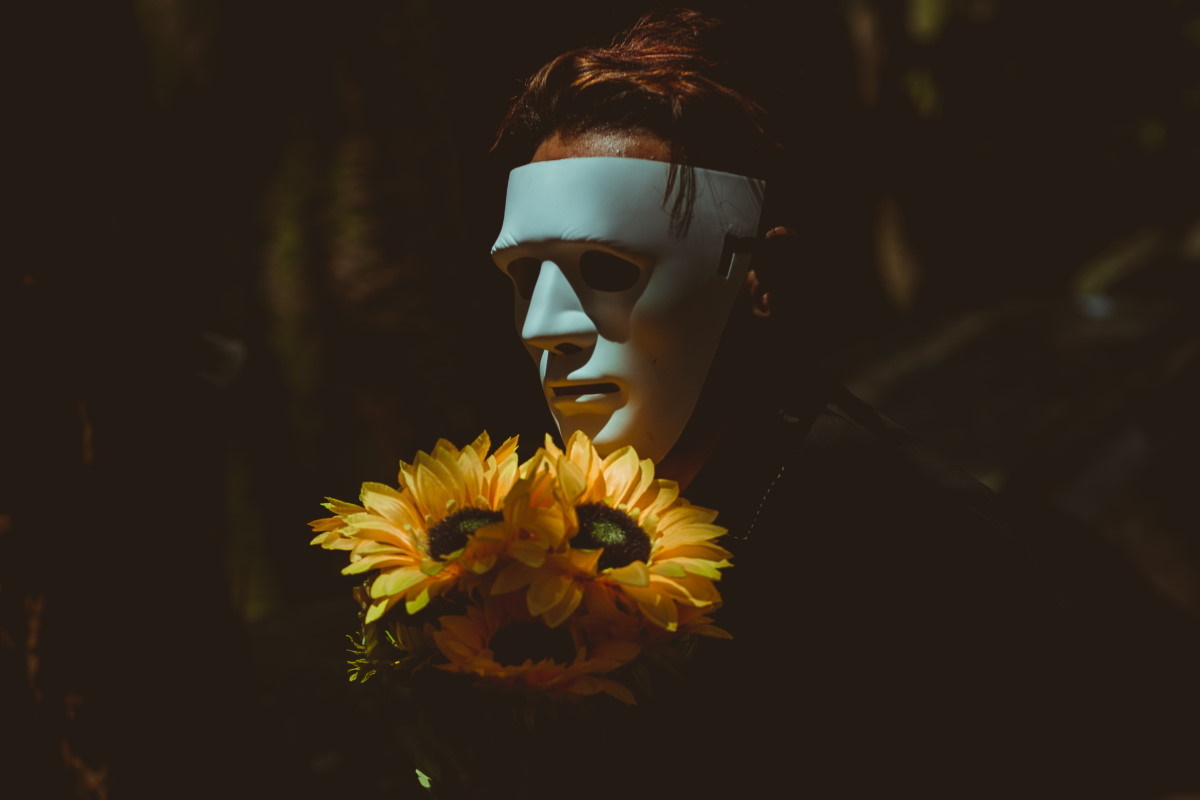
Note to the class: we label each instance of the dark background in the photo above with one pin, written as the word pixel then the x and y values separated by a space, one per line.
pixel 249 269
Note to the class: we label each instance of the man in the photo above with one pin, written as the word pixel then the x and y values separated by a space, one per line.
pixel 896 629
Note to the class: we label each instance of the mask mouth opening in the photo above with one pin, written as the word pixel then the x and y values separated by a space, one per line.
pixel 578 389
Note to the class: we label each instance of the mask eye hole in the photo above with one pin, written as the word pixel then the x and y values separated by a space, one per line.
pixel 608 273
pixel 524 274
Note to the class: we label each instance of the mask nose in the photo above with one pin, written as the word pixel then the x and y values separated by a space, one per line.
pixel 555 320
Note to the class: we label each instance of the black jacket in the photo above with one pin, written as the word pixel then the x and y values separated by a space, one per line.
pixel 900 632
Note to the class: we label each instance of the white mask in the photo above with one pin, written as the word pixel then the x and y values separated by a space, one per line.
pixel 621 314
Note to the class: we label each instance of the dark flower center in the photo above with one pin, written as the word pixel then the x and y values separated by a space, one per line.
pixel 514 643
pixel 451 533
pixel 603 526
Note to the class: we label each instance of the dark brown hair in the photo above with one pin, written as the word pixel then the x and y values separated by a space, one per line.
pixel 665 75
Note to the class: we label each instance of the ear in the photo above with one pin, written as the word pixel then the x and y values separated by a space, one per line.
pixel 760 298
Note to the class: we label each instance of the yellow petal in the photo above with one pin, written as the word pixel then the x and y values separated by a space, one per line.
pixel 668 569
pixel 514 576
pixel 370 526
pixel 464 630
pixel 386 502
pixel 633 574
pixel 432 567
pixel 545 591
pixel 370 547
pixel 470 466
pixel 676 535
pixel 573 481
pixel 368 563
pixel 659 610
pixel 686 515
pixel 581 452
pixel 341 507
pixel 696 566
pixel 551 448
pixel 528 552
pixel 432 494
pixel 500 482
pixel 506 450
pixel 693 589
pixel 621 472
pixel 644 480
pixel 659 498
pixel 600 600
pixel 710 630
pixel 327 523
pixel 481 445
pixel 379 608
pixel 617 690
pixel 706 550
pixel 616 651
pixel 333 540
pixel 584 561
pixel 396 581
pixel 484 563
pixel 565 607
pixel 417 603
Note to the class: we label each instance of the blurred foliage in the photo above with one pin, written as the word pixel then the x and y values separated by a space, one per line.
pixel 258 274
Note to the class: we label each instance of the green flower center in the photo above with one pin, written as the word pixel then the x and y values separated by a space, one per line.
pixel 514 643
pixel 603 526
pixel 451 533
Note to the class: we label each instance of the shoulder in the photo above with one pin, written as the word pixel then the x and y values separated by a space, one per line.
pixel 854 470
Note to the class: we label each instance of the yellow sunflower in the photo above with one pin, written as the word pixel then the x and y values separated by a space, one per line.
pixel 630 543
pixel 501 645
pixel 420 536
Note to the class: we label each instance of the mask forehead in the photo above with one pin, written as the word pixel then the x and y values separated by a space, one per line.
pixel 622 202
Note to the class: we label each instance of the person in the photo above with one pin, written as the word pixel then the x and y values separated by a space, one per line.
pixel 896 628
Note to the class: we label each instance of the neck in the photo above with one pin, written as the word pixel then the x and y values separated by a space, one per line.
pixel 688 457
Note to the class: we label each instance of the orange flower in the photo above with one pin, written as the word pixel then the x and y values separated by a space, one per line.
pixel 471 644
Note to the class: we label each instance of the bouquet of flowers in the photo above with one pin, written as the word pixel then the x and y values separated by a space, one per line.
pixel 551 579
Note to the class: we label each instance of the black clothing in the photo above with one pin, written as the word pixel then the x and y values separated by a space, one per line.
pixel 899 632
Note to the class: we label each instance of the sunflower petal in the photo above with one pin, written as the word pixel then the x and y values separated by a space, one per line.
pixel 695 566
pixel 464 630
pixel 433 493
pixel 388 503
pixel 686 515
pixel 565 607
pixel 634 573
pixel 514 576
pixel 621 472
pixel 659 610
pixel 396 581
pixel 706 550
pixel 367 563
pixel 545 591
pixel 417 603
pixel 616 652
pixel 668 569
pixel 341 507
pixel 710 630
pixel 617 690
pixel 379 608
pixel 573 481
pixel 528 552
pixel 674 534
